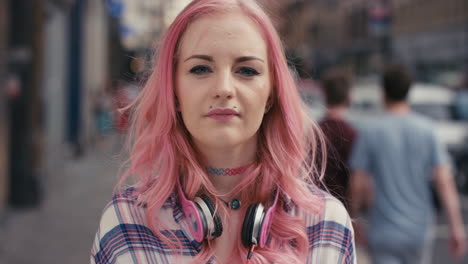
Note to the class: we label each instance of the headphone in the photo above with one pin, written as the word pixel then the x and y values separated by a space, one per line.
pixel 205 223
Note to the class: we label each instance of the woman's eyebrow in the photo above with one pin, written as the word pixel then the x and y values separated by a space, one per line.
pixel 210 59
pixel 202 57
pixel 248 58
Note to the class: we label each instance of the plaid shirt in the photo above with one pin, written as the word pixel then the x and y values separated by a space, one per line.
pixel 124 236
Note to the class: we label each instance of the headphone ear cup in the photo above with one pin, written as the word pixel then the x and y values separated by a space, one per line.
pixel 248 226
pixel 218 225
pixel 265 227
pixel 197 224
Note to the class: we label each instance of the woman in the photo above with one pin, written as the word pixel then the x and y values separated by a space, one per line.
pixel 220 154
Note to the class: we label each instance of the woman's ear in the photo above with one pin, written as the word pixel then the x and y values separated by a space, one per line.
pixel 176 104
pixel 268 105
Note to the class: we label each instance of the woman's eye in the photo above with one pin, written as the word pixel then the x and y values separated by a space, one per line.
pixel 247 71
pixel 200 69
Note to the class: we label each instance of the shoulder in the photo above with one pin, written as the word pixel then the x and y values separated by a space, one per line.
pixel 421 120
pixel 123 229
pixel 420 126
pixel 123 209
pixel 330 232
pixel 386 124
pixel 337 126
pixel 121 217
pixel 332 210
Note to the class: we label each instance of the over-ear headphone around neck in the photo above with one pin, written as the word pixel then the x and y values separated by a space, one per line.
pixel 205 222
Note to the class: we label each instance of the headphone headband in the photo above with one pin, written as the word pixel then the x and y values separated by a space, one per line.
pixel 205 223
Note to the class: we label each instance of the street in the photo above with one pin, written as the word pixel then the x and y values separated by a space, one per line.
pixel 62 230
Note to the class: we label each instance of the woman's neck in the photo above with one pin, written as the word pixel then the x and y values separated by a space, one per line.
pixel 224 160
pixel 225 179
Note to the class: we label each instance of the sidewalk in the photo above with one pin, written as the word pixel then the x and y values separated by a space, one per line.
pixel 63 228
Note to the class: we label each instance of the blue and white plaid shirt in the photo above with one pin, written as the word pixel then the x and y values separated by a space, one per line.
pixel 124 236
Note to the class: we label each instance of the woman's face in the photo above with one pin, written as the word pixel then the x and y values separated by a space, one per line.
pixel 222 80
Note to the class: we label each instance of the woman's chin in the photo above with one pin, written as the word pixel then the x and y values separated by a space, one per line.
pixel 220 141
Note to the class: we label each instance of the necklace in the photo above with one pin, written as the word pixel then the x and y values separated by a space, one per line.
pixel 227 171
pixel 234 204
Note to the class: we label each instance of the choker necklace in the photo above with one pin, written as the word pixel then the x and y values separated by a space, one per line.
pixel 234 204
pixel 226 172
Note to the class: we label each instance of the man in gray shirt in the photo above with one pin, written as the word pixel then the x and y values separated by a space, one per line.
pixel 394 161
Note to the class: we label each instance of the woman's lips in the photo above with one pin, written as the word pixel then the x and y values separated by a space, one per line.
pixel 222 118
pixel 222 115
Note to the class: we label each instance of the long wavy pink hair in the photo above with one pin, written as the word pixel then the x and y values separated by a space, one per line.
pixel 161 149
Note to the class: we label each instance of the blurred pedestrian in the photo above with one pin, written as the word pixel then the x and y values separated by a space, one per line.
pixel 461 100
pixel 219 154
pixel 395 159
pixel 339 133
pixel 103 113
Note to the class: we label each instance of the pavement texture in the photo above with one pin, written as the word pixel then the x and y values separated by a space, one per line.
pixel 62 229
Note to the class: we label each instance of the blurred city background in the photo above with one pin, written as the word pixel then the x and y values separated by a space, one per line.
pixel 67 65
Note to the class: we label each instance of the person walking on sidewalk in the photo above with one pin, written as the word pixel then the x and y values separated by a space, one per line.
pixel 220 154
pixel 460 102
pixel 394 161
pixel 339 133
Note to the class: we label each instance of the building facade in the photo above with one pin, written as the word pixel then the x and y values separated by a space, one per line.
pixel 425 35
pixel 4 124
pixel 53 63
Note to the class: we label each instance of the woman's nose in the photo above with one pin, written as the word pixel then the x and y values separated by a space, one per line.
pixel 224 86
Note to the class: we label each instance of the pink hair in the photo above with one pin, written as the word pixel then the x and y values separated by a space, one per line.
pixel 162 150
